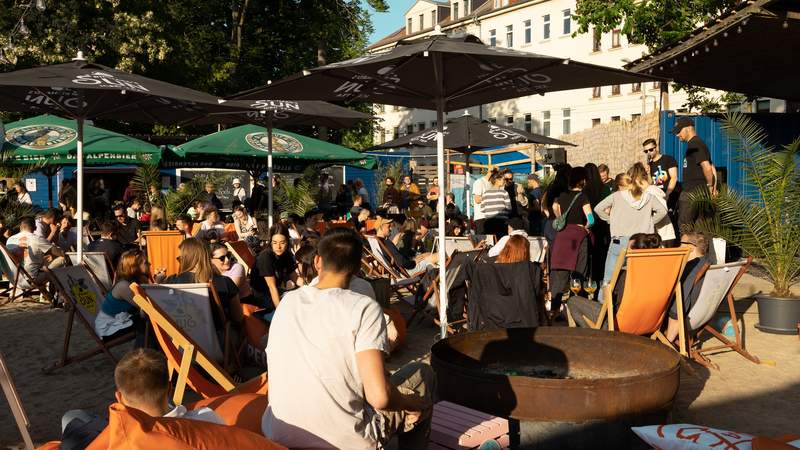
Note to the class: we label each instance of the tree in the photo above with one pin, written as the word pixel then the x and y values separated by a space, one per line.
pixel 217 46
pixel 657 23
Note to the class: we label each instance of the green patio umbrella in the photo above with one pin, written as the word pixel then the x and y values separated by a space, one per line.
pixel 245 148
pixel 51 142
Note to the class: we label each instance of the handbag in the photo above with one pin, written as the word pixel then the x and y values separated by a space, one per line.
pixel 561 221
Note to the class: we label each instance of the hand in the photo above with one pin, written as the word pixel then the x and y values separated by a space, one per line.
pixel 713 190
pixel 162 272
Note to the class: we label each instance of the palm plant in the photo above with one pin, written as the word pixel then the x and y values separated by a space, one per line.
pixel 765 226
pixel 296 199
pixel 178 202
pixel 146 175
pixel 384 171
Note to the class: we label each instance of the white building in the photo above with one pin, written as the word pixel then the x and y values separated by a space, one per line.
pixel 537 26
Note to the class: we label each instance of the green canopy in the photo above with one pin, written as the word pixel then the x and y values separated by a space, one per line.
pixel 245 148
pixel 51 140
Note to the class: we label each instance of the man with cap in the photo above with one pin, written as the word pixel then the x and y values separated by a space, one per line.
pixel 238 192
pixel 698 172
pixel 535 216
pixel 422 262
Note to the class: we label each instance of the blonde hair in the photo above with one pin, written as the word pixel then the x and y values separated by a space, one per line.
pixel 639 180
pixel 196 259
pixel 623 181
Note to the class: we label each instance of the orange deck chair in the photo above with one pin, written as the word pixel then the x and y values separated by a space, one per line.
pixel 162 250
pixel 244 256
pixel 182 352
pixel 653 277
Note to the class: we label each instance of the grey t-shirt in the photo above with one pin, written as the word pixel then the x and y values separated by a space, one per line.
pixel 316 395
pixel 35 248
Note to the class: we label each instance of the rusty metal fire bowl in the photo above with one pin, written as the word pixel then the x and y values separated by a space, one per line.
pixel 556 380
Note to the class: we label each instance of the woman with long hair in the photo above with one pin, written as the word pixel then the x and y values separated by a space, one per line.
pixel 595 191
pixel 22 193
pixel 118 314
pixel 275 267
pixel 559 185
pixel 628 211
pixel 244 223
pixel 517 249
pixel 306 271
pixel 226 265
pixel 196 267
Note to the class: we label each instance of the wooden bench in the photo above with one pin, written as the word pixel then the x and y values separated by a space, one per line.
pixel 456 427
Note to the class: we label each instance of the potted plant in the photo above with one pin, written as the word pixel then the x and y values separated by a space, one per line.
pixel 764 222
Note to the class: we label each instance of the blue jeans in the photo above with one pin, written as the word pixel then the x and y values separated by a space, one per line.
pixel 618 244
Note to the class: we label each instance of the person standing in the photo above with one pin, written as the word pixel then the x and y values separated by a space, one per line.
pixel 239 193
pixel 391 196
pixel 663 170
pixel 496 207
pixel 698 172
pixel 433 194
pixel 479 187
pixel 605 178
pixel 409 193
pixel 535 216
pixel 22 194
pixel 211 196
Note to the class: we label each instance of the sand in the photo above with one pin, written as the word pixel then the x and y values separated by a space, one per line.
pixel 760 399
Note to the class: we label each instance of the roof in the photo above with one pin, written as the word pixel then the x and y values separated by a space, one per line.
pixel 745 50
pixel 481 10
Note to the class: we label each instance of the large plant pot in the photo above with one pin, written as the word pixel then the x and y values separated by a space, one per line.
pixel 778 315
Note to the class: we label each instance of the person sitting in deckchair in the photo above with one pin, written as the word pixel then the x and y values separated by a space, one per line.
pixel 420 263
pixel 697 259
pixel 328 385
pixel 142 380
pixel 34 251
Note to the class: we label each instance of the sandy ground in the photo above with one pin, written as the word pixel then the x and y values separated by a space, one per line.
pixel 760 399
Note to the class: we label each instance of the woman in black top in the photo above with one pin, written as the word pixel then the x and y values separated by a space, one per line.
pixel 559 184
pixel 196 267
pixel 275 266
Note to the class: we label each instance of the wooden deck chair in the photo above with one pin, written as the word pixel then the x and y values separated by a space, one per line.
pixel 20 282
pixel 84 297
pixel 399 276
pixel 244 256
pixel 162 250
pixel 182 350
pixel 229 233
pixel 14 402
pixel 652 278
pixel 718 283
pixel 99 267
pixel 196 228
pixel 538 248
pixel 453 243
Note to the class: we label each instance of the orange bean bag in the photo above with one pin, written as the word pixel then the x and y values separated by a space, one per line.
pixel 238 410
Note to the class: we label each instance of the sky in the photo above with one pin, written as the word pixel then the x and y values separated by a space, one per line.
pixel 385 23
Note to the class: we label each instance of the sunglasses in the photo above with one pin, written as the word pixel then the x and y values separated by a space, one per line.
pixel 649 150
pixel 223 257
pixel 119 217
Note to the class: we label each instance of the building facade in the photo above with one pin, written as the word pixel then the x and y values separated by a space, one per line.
pixel 537 26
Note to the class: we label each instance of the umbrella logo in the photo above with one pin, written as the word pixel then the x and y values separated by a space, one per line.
pixel 280 142
pixel 40 137
pixel 503 133
pixel 107 80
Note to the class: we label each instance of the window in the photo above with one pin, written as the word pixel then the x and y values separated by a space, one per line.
pixel 614 89
pixel 528 124
pixel 409 26
pixel 455 11
pixel 546 123
pixel 615 118
pixel 528 31
pixel 567 22
pixel 510 121
pixel 656 85
pixel 466 7
pixel 409 129
pixel 422 21
pixel 433 124
pixel 396 133
pixel 762 106
pixel 546 26
pixel 636 87
pixel 566 113
pixel 420 126
pixel 595 122
pixel 509 36
pixel 434 19
pixel 597 92
pixel 615 39
pixel 596 40
pixel 493 38
pixel 635 116
pixel 493 120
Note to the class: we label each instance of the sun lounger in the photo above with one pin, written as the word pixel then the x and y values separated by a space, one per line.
pixel 718 283
pixel 399 276
pixel 458 427
pixel 14 402
pixel 162 250
pixel 241 251
pixel 183 351
pixel 98 265
pixel 20 282
pixel 652 279
pixel 84 296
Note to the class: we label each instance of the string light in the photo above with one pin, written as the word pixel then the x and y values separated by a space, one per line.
pixel 23 29
pixel 40 5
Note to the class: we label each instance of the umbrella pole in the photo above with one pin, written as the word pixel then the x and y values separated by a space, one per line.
pixel 442 256
pixel 269 171
pixel 79 223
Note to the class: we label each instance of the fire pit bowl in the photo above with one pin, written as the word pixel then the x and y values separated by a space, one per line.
pixel 561 383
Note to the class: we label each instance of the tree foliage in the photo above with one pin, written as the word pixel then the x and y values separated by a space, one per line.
pixel 656 23
pixel 217 46
pixel 767 226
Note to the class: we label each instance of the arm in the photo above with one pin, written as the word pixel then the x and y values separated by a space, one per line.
pixel 659 210
pixel 604 207
pixel 557 208
pixel 507 201
pixel 673 180
pixel 238 230
pixel 587 211
pixel 379 393
pixel 708 173
pixel 272 286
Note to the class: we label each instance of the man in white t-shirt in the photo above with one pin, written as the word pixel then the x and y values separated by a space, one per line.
pixel 479 187
pixel 35 251
pixel 328 386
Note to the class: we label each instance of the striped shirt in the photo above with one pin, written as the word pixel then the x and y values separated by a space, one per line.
pixel 495 202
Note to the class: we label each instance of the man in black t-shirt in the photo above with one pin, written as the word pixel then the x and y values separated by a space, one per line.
pixel 698 173
pixel 663 168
